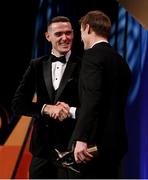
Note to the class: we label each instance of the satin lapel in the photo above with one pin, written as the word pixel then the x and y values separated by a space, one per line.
pixel 65 79
pixel 48 77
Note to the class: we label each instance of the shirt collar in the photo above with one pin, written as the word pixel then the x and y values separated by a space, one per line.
pixel 66 56
pixel 103 40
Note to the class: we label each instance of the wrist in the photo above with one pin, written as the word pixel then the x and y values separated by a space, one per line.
pixel 45 109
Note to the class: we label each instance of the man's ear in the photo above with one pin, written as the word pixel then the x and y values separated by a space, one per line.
pixel 47 36
pixel 88 28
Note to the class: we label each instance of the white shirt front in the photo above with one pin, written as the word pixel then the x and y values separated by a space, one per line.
pixel 58 69
pixel 57 73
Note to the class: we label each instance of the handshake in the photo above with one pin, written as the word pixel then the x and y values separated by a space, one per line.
pixel 58 111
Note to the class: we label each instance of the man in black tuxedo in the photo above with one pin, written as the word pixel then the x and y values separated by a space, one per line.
pixel 54 80
pixel 104 83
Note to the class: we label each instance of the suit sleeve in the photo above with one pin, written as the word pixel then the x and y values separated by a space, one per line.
pixel 91 89
pixel 22 101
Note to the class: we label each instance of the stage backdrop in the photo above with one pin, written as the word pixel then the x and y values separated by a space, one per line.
pixel 130 39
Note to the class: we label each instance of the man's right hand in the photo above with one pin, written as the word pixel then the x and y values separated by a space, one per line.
pixel 57 111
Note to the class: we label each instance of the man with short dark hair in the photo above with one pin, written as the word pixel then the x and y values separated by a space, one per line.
pixel 104 83
pixel 54 79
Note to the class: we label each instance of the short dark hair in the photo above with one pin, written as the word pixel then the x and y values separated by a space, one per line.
pixel 98 21
pixel 58 19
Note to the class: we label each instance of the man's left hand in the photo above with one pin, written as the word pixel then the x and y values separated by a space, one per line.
pixel 81 153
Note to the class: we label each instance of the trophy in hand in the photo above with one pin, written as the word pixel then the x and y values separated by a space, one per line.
pixel 66 159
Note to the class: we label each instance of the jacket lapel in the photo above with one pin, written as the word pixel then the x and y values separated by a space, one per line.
pixel 48 77
pixel 66 78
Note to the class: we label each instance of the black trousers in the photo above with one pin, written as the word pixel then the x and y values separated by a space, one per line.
pixel 97 170
pixel 45 169
pixel 41 169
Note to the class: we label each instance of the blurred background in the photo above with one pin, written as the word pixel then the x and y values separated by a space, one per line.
pixel 23 24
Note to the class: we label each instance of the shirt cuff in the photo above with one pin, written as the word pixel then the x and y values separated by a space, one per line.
pixel 42 110
pixel 72 111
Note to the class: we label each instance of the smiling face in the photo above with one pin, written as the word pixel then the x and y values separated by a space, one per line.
pixel 60 34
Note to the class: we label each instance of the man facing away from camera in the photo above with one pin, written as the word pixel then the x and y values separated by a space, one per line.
pixel 103 89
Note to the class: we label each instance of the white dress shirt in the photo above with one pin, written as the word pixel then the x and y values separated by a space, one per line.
pixel 58 69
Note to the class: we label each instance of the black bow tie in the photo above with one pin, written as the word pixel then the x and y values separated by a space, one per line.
pixel 61 59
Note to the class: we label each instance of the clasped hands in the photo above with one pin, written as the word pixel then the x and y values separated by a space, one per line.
pixel 58 111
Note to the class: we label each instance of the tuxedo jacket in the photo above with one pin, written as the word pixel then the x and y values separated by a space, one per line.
pixel 48 133
pixel 104 83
